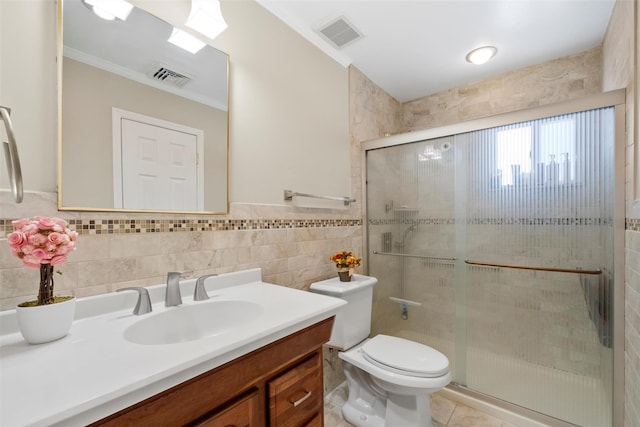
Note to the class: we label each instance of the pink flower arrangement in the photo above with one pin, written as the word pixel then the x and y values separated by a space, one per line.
pixel 42 240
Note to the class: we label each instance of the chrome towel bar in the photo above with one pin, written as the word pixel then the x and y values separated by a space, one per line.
pixel 289 195
pixel 11 156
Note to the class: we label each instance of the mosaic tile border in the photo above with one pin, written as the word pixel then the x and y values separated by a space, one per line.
pixel 632 224
pixel 133 226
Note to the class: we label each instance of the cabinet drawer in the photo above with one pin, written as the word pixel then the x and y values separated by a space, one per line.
pixel 243 413
pixel 315 421
pixel 297 395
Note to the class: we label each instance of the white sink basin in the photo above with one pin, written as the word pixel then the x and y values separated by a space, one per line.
pixel 193 322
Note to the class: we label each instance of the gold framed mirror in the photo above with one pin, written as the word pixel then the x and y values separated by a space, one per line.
pixel 143 124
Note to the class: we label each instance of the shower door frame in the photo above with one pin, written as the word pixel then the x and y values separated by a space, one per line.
pixel 614 99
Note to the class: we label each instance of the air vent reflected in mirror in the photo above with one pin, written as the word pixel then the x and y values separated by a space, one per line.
pixel 171 77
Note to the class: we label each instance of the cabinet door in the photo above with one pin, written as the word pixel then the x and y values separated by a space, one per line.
pixel 242 413
pixel 295 397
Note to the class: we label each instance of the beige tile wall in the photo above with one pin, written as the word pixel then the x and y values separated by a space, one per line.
pixel 632 332
pixel 291 245
pixel 569 77
pixel 618 72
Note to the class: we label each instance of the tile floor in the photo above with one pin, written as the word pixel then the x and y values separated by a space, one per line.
pixel 445 413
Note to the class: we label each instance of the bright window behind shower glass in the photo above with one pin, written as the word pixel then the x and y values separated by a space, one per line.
pixel 550 144
pixel 558 142
pixel 513 153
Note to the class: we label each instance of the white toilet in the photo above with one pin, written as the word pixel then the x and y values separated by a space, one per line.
pixel 390 379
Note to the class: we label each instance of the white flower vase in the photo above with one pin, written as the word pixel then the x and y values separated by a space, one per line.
pixel 44 323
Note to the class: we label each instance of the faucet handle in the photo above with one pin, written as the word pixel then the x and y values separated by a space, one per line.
pixel 143 306
pixel 200 293
pixel 172 296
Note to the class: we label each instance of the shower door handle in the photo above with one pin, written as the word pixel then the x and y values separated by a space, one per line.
pixel 528 267
pixel 11 156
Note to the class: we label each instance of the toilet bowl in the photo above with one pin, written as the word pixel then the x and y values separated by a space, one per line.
pixel 390 379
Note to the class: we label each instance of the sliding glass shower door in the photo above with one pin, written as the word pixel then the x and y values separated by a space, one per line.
pixel 495 246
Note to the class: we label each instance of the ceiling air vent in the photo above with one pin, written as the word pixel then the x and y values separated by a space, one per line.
pixel 170 77
pixel 340 32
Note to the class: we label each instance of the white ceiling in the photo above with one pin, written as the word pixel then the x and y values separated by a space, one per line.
pixel 138 47
pixel 414 48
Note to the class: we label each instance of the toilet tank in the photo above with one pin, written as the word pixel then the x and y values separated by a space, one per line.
pixel 353 321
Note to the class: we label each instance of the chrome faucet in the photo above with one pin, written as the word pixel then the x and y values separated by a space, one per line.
pixel 200 293
pixel 143 306
pixel 172 295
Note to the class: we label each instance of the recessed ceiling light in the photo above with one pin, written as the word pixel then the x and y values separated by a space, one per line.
pixel 481 55
pixel 186 41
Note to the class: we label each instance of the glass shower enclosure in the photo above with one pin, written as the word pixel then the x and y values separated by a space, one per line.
pixel 497 242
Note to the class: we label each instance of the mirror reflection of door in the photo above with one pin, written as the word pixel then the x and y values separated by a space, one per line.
pixel 159 165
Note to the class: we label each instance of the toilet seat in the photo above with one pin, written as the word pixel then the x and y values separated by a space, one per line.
pixel 405 357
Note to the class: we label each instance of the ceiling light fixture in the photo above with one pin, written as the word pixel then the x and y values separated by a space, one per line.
pixel 186 41
pixel 110 9
pixel 206 18
pixel 481 55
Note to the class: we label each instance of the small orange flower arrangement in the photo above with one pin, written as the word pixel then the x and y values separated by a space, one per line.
pixel 346 262
pixel 345 259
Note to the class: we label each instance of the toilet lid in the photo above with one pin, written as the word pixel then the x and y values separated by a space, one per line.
pixel 405 357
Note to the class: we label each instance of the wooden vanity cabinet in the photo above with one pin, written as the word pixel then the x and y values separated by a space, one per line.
pixel 293 394
pixel 278 385
pixel 241 413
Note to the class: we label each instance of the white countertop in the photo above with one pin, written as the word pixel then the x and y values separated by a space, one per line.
pixel 94 372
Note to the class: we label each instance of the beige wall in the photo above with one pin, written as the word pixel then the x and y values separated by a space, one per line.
pixel 28 87
pixel 288 106
pixel 294 131
pixel 89 94
pixel 288 100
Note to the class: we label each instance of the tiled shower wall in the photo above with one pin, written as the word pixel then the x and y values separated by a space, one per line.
pixel 569 77
pixel 632 332
pixel 575 76
pixel 411 204
pixel 619 71
pixel 510 311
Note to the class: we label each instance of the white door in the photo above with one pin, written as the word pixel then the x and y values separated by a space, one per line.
pixel 159 167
